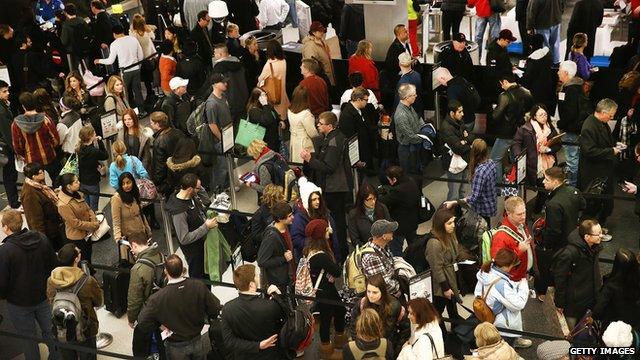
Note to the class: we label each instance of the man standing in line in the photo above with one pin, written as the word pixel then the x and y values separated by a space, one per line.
pixel 9 173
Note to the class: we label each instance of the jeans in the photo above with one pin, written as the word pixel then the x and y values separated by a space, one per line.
pixel 552 41
pixel 494 29
pixel 572 153
pixel 498 150
pixel 456 189
pixel 220 174
pixel 451 23
pixel 194 349
pixel 24 319
pixel 133 83
pixel 292 16
pixel 92 200
pixel 409 158
pixel 9 177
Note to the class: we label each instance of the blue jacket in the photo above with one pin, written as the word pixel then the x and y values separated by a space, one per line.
pixel 300 221
pixel 131 164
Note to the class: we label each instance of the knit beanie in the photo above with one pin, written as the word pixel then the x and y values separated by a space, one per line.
pixel 553 350
pixel 306 188
pixel 316 229
pixel 618 334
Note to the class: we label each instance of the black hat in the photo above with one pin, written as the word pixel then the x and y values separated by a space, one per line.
pixel 507 35
pixel 459 37
pixel 219 77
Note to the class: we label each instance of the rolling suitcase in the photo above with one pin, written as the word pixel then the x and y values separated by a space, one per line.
pixel 115 285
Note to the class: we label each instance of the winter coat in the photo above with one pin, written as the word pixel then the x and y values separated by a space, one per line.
pixel 102 28
pixel 359 224
pixel 237 93
pixel 538 77
pixel 69 131
pixel 279 72
pixel 390 324
pixel 127 218
pixel 314 48
pixel 391 66
pixel 525 140
pixel 141 281
pixel 144 152
pixel 41 214
pixel 26 260
pixel 452 134
pixel 164 145
pixel 6 120
pixel 458 63
pixel 330 163
pixel 274 267
pixel 205 43
pixel 252 66
pixel 597 159
pixel 575 107
pixel 297 228
pixel 177 170
pixel 193 68
pixel 513 103
pixel 243 13
pixel 352 22
pixel 79 220
pixel 615 302
pixel 498 351
pixel 576 273
pixel 35 138
pixel 441 259
pixel 502 239
pixel 132 165
pixel 403 201
pixel 562 213
pixel 267 117
pixel 408 125
pixel 507 298
pixel 367 68
pixel 89 158
pixel 353 122
pixel 543 14
pixel 67 37
pixel 90 294
pixel 318 92
pixel 457 90
pixel 586 17
pixel 303 130
pixel 178 110
pixel 420 347
pixel 454 5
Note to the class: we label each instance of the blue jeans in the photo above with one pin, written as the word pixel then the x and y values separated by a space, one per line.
pixel 456 189
pixel 24 319
pixel 92 200
pixel 292 16
pixel 494 22
pixel 220 175
pixel 552 41
pixel 195 349
pixel 409 158
pixel 498 150
pixel 572 153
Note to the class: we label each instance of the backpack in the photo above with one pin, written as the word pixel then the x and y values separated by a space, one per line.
pixel 481 310
pixel 487 237
pixel 69 323
pixel 83 41
pixel 380 353
pixel 469 229
pixel 197 120
pixel 277 167
pixel 352 274
pixel 471 95
pixel 304 285
pixel 159 277
pixel 297 331
pixel 414 254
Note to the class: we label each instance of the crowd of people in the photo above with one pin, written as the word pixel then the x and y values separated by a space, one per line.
pixel 194 80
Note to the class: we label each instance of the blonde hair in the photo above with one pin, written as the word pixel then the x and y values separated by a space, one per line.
pixel 85 135
pixel 231 26
pixel 256 147
pixel 364 49
pixel 512 203
pixel 272 194
pixel 119 149
pixel 368 325
pixel 486 334
pixel 111 83
pixel 579 41
pixel 139 24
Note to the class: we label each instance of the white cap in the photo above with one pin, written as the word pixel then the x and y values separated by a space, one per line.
pixel 176 82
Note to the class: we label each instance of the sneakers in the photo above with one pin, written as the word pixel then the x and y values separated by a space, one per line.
pixel 606 237
pixel 522 343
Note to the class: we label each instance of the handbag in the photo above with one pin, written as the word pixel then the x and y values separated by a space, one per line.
pixel 248 131
pixel 146 187
pixel 71 166
pixel 457 164
pixel 273 87
pixel 102 229
pixel 435 351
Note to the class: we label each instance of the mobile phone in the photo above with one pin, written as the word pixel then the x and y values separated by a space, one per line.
pixel 249 177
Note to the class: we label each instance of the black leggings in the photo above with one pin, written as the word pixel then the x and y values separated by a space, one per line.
pixel 328 312
pixel 451 23
pixel 440 304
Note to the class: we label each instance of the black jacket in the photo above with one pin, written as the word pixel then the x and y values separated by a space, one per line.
pixel 575 107
pixel 182 307
pixel 243 13
pixel 193 69
pixel 237 92
pixel 177 170
pixel 352 22
pixel 539 78
pixel 359 224
pixel 252 66
pixel 26 261
pixel 391 66
pixel 586 18
pixel 597 159
pixel 513 103
pixel 457 62
pixel 576 272
pixel 268 118
pixel 498 59
pixel 178 110
pixel 274 267
pixel 246 321
pixel 525 140
pixel 330 163
pixel 521 10
pixel 101 26
pixel 88 158
pixel 6 119
pixel 39 66
pixel 205 44
pixel 403 201
pixel 618 302
pixel 353 123
pixel 453 5
pixel 452 134
pixel 459 88
pixel 164 144
pixel 562 212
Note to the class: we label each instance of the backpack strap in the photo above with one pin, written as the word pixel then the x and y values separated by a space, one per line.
pixel 149 263
pixel 511 233
pixel 78 285
pixel 484 295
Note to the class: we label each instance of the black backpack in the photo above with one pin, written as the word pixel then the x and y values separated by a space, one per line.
pixel 277 167
pixel 297 331
pixel 414 254
pixel 159 277
pixel 83 40
pixel 471 95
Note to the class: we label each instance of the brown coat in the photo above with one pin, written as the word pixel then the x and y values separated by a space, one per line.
pixel 41 213
pixel 79 219
pixel 127 218
pixel 314 48
pixel 90 295
pixel 498 351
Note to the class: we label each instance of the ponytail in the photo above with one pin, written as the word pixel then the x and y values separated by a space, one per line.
pixel 486 267
pixel 119 149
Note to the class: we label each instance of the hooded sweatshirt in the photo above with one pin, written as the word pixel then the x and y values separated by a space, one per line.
pixel 26 260
pixel 189 217
pixel 35 138
pixel 237 92
pixel 90 294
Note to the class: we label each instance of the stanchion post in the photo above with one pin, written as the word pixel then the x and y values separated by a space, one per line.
pixel 356 183
pixel 523 190
pixel 232 181
pixel 436 105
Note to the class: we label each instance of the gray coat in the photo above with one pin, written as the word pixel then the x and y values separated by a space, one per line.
pixel 441 260
pixel 543 14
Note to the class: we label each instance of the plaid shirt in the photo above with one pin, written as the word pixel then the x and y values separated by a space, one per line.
pixel 483 199
pixel 380 261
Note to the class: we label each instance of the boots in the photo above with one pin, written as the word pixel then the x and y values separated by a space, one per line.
pixel 327 352
pixel 339 340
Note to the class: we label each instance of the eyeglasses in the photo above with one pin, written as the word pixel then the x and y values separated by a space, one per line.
pixel 596 235
pixel 371 198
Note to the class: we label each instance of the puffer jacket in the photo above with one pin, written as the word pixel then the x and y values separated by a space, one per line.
pixel 314 48
pixel 127 218
pixel 90 295
pixel 498 351
pixel 79 219
pixel 141 282
pixel 177 170
pixel 506 298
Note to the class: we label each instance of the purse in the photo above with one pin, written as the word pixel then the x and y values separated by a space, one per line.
pixel 102 230
pixel 146 188
pixel 457 164
pixel 273 87
pixel 435 351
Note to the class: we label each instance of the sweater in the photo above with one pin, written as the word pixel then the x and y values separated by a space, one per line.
pixel 35 138
pixel 127 50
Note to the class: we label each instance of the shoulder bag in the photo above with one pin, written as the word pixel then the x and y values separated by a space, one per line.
pixel 435 351
pixel 273 87
pixel 146 187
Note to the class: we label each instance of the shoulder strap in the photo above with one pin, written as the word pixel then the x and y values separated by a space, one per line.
pixel 382 348
pixel 511 233
pixel 357 353
pixel 79 284
pixel 271 68
pixel 150 263
pixel 433 345
pixel 484 295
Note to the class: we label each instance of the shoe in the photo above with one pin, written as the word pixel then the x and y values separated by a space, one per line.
pixel 522 343
pixel 339 340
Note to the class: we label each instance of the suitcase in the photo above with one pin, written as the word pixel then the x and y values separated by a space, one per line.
pixel 115 285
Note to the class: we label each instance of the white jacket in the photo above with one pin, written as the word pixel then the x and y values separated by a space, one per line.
pixel 507 298
pixel 420 345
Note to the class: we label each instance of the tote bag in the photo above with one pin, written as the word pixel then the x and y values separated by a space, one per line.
pixel 273 87
pixel 248 131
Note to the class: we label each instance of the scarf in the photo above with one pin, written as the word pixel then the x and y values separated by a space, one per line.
pixel 44 188
pixel 545 160
pixel 75 195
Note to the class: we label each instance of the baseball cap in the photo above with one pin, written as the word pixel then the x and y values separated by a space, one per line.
pixel 219 77
pixel 176 82
pixel 507 35
pixel 459 37
pixel 381 227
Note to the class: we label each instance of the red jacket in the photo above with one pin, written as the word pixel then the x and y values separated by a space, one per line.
pixel 369 72
pixel 483 9
pixel 318 94
pixel 35 138
pixel 634 4
pixel 502 239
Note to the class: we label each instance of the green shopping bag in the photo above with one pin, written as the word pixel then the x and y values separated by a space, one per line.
pixel 248 131
pixel 71 166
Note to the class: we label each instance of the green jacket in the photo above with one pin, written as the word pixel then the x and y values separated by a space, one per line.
pixel 141 282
